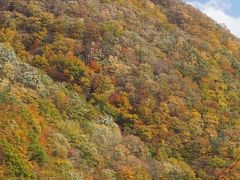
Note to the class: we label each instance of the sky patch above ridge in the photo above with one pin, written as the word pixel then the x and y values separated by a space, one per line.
pixel 223 11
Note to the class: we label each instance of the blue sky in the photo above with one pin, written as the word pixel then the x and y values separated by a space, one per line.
pixel 234 10
pixel 223 11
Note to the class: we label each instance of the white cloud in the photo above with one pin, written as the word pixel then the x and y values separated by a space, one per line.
pixel 216 9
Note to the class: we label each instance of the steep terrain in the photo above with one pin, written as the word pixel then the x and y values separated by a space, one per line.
pixel 115 89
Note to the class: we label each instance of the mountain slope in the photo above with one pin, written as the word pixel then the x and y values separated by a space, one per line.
pixel 112 89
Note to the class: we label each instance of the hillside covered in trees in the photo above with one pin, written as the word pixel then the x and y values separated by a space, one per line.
pixel 117 90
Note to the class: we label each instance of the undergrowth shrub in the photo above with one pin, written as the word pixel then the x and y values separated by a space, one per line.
pixel 37 152
pixel 48 110
pixel 15 163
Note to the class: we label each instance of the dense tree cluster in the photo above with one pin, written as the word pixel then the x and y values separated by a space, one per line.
pixel 113 89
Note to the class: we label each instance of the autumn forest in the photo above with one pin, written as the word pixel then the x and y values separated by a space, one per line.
pixel 117 90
